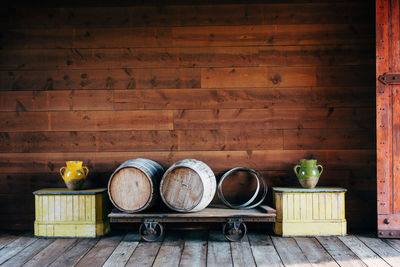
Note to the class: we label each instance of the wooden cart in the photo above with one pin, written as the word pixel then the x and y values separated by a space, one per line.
pixel 234 227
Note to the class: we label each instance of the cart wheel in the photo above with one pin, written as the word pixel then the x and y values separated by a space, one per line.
pixel 234 230
pixel 151 231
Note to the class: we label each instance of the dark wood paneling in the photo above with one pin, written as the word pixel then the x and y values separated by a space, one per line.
pixel 217 160
pixel 252 84
pixel 275 118
pixel 78 141
pixel 255 56
pixel 65 100
pixel 186 15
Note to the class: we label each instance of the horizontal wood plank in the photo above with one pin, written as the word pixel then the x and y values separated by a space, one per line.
pixel 86 120
pixel 328 139
pixel 59 59
pixel 287 76
pixel 100 79
pixel 191 36
pixel 276 118
pixel 217 160
pixel 187 15
pixel 66 100
pixel 181 140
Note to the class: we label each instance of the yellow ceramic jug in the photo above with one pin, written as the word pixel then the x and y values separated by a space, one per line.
pixel 74 174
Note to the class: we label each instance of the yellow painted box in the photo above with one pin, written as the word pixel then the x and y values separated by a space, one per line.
pixel 60 212
pixel 309 212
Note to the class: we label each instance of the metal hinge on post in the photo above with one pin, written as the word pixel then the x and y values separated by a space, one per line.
pixel 389 78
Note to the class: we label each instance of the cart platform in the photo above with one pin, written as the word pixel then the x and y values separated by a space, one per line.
pixel 234 227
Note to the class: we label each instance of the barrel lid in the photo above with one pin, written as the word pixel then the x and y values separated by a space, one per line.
pixel 305 190
pixel 66 191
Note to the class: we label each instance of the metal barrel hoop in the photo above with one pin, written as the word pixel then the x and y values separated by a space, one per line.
pixel 247 204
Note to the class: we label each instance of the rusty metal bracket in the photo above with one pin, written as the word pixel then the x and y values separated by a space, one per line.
pixel 389 78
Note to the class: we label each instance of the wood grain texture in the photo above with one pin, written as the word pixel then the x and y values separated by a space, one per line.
pixel 263 249
pixel 187 15
pixel 130 189
pixel 362 251
pixel 340 252
pixel 195 249
pixel 28 253
pixel 255 84
pixel 101 251
pixel 255 56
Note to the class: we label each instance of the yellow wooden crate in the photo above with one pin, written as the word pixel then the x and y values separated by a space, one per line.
pixel 309 212
pixel 61 212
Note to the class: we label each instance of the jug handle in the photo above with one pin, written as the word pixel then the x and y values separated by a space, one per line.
pixel 62 172
pixel 87 170
pixel 295 169
pixel 322 169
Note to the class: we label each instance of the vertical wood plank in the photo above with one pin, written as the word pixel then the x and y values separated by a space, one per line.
pixel 28 253
pixel 314 252
pixel 144 254
pixel 219 250
pixel 264 251
pixel 395 67
pixel 289 251
pixel 170 252
pixel 241 253
pixel 123 251
pixel 386 252
pixel 383 111
pixel 195 249
pixel 100 252
pixel 15 247
pixel 342 254
pixel 73 255
pixel 362 251
pixel 51 252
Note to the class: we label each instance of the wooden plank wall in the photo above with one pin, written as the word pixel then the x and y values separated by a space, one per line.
pixel 259 85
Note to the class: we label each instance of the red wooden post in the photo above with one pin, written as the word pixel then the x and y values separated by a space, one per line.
pixel 388 118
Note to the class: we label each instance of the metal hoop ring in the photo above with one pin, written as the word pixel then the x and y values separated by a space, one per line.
pixel 246 205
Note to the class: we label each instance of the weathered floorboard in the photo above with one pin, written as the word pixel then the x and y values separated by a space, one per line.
pixel 314 252
pixel 263 250
pixel 342 254
pixel 15 247
pixel 51 252
pixel 362 251
pixel 123 251
pixel 241 253
pixel 386 252
pixel 290 252
pixel 73 255
pixel 144 254
pixel 28 253
pixel 100 252
pixel 170 252
pixel 219 250
pixel 195 249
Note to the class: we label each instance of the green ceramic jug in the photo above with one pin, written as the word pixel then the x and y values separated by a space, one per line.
pixel 307 172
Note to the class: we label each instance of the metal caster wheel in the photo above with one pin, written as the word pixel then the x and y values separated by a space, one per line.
pixel 151 231
pixel 234 230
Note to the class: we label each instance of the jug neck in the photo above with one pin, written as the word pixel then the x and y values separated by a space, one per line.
pixel 74 164
pixel 308 162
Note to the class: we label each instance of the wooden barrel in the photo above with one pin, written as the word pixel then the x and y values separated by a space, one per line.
pixel 134 185
pixel 188 186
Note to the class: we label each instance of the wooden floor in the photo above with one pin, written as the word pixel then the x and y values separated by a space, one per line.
pixel 199 248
